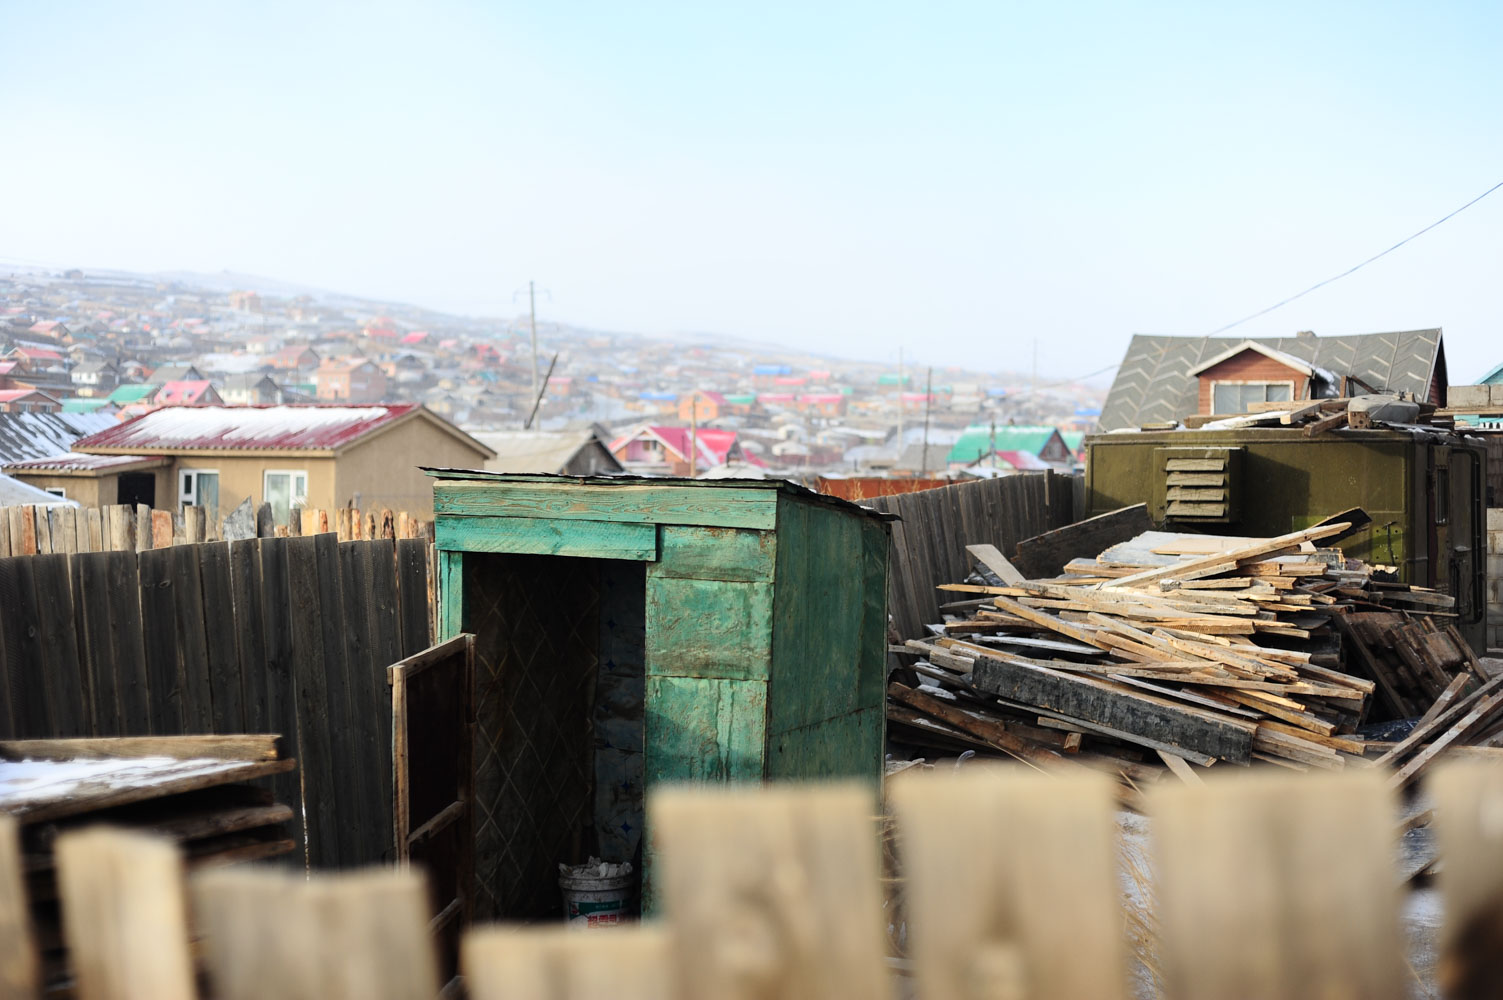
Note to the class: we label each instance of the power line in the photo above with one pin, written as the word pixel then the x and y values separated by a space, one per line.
pixel 1350 270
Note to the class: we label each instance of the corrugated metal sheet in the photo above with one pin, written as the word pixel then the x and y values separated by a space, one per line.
pixel 1153 384
pixel 42 435
pixel 309 427
pixel 77 462
pixel 14 493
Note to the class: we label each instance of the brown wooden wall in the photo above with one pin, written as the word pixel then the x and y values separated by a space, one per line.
pixel 928 544
pixel 269 635
pixel 1250 366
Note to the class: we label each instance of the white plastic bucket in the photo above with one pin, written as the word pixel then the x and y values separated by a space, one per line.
pixel 593 901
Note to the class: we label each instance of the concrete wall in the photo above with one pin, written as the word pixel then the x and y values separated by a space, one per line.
pixel 1495 578
pixel 385 470
pixel 246 477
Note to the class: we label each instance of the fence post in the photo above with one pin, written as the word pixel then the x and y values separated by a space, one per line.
pixel 1034 897
pixel 277 934
pixel 772 885
pixel 18 954
pixel 124 916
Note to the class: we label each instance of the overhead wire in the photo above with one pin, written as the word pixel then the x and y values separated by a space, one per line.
pixel 1358 267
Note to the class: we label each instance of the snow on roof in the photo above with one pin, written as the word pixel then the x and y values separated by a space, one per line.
pixel 74 461
pixel 14 493
pixel 38 435
pixel 218 428
pixel 532 451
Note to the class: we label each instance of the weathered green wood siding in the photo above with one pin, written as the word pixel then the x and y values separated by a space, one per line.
pixel 704 729
pixel 703 553
pixel 548 537
pixel 723 507
pixel 825 715
pixel 708 628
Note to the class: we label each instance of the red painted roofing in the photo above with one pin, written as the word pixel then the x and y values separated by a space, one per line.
pixel 716 442
pixel 38 354
pixel 215 428
pixel 181 391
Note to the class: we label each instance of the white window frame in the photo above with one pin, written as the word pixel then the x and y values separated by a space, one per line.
pixel 182 496
pixel 294 498
pixel 1293 387
pixel 56 491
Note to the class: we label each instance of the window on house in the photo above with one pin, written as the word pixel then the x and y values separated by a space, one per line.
pixel 56 491
pixel 285 489
pixel 1236 397
pixel 199 488
pixel 1443 497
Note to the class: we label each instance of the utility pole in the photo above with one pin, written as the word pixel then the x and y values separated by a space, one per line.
pixel 532 309
pixel 928 400
pixel 694 434
pixel 901 442
pixel 1033 379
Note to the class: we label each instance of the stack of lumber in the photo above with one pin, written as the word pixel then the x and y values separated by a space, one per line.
pixel 1318 416
pixel 1181 649
pixel 191 790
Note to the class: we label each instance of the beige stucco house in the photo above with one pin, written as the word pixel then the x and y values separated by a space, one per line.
pixel 215 456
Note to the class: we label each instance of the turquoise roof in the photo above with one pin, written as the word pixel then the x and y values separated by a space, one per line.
pixel 1494 377
pixel 975 443
pixel 133 393
pixel 83 405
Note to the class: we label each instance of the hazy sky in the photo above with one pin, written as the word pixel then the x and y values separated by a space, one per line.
pixel 959 179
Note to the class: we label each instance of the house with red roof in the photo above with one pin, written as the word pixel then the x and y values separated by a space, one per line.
pixel 187 392
pixel 50 328
pixel 215 456
pixel 350 379
pixel 28 401
pixel 295 357
pixel 653 449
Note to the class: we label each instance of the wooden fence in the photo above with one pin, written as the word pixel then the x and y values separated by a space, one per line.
pixel 30 530
pixel 279 635
pixel 1258 885
pixel 928 544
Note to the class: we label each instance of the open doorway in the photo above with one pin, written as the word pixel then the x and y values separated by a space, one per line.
pixel 560 680
pixel 136 488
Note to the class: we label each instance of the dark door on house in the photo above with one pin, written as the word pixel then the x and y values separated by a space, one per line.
pixel 137 487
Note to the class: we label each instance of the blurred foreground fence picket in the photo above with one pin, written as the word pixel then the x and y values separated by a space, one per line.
pixel 1262 885
pixel 266 635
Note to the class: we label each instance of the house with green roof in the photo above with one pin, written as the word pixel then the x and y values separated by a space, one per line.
pixel 79 404
pixel 980 442
pixel 139 392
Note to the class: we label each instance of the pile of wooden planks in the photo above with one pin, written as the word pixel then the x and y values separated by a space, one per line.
pixel 1170 650
pixel 191 790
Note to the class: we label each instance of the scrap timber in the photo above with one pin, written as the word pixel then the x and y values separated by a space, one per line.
pixel 194 791
pixel 1169 650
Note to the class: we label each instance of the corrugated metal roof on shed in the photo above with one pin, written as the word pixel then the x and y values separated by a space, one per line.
pixel 305 427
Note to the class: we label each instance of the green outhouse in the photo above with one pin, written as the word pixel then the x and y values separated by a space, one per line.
pixel 631 631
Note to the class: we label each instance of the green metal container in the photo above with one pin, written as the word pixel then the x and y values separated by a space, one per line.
pixel 1422 488
pixel 636 631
